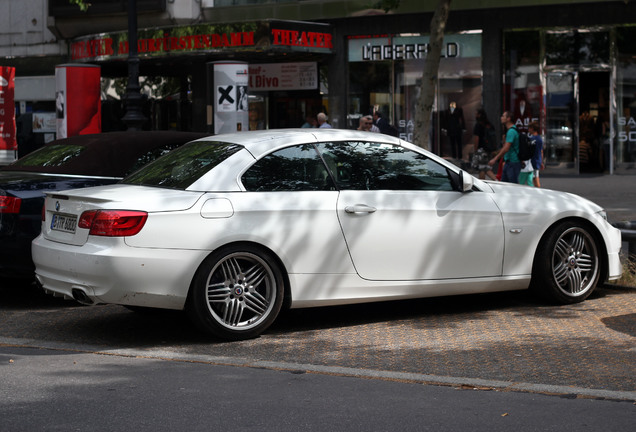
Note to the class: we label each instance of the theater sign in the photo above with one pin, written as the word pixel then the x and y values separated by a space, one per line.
pixel 261 36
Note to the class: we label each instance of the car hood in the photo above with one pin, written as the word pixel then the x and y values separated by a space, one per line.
pixel 129 197
pixel 514 197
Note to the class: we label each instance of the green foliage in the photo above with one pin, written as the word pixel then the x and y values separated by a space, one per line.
pixel 628 278
pixel 83 5
pixel 386 5
pixel 158 87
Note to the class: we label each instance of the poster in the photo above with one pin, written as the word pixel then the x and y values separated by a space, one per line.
pixel 8 142
pixel 77 100
pixel 230 88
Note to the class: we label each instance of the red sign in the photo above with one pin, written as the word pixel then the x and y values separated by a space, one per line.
pixel 205 38
pixel 8 141
pixel 77 100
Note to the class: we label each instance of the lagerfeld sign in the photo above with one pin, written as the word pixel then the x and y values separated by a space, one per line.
pixel 371 48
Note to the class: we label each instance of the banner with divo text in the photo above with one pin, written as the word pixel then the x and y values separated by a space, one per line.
pixel 8 142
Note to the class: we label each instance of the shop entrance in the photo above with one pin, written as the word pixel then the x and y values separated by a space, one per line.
pixel 281 110
pixel 577 121
pixel 289 109
pixel 594 124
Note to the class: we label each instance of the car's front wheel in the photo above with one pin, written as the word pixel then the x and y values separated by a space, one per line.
pixel 567 266
pixel 236 293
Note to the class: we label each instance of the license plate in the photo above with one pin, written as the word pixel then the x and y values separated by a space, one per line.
pixel 65 223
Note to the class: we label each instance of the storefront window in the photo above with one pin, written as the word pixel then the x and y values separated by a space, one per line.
pixel 385 75
pixel 577 47
pixel 369 87
pixel 561 78
pixel 625 143
pixel 523 89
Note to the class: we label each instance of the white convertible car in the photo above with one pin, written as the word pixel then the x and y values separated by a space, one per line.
pixel 231 228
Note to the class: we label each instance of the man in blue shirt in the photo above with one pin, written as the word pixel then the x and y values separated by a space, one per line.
pixel 509 151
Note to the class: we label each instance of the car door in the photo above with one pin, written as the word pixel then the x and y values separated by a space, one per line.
pixel 290 206
pixel 403 219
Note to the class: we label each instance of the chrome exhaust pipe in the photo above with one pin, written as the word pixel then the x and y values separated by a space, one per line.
pixel 81 297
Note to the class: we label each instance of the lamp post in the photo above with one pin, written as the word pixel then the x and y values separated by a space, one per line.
pixel 133 118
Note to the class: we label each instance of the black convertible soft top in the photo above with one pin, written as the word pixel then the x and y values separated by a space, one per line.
pixel 110 154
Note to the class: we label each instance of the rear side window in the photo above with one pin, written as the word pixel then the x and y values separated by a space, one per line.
pixel 183 166
pixel 297 168
pixel 151 155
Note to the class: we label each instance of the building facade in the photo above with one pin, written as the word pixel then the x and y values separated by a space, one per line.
pixel 569 65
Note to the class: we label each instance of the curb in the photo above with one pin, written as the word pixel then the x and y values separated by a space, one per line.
pixel 463 383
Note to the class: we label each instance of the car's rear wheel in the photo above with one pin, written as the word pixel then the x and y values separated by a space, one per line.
pixel 236 293
pixel 567 266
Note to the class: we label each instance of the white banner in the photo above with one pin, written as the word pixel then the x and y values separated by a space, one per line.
pixel 283 76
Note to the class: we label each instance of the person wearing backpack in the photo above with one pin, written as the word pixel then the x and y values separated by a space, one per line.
pixel 526 175
pixel 537 158
pixel 485 144
pixel 509 152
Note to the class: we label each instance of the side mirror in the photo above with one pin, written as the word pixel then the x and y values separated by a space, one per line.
pixel 466 181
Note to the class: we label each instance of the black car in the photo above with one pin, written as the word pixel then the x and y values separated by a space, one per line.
pixel 71 163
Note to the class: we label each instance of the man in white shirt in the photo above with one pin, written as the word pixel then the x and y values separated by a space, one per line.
pixel 322 120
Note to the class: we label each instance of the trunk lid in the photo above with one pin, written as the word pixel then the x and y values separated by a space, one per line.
pixel 62 210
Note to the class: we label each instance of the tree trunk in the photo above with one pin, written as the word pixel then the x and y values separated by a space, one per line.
pixel 424 106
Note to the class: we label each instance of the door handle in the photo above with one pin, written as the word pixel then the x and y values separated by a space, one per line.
pixel 360 208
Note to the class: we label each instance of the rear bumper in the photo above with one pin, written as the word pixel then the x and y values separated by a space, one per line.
pixel 109 271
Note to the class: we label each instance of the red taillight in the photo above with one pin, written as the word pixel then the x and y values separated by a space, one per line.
pixel 113 223
pixel 86 219
pixel 9 204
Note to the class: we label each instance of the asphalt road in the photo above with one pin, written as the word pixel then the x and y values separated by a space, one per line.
pixel 616 193
pixel 64 390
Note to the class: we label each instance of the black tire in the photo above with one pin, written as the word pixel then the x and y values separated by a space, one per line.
pixel 567 265
pixel 236 293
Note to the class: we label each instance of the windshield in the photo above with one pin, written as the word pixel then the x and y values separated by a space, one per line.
pixel 182 167
pixel 52 156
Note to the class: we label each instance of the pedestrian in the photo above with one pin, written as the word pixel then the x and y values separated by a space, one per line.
pixel 509 151
pixel 255 119
pixel 310 122
pixel 526 174
pixel 537 159
pixel 485 145
pixel 383 125
pixel 373 127
pixel 366 124
pixel 322 121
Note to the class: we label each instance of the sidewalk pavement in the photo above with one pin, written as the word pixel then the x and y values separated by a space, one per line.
pixel 616 193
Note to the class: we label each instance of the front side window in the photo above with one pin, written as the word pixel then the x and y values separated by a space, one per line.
pixel 297 168
pixel 379 166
